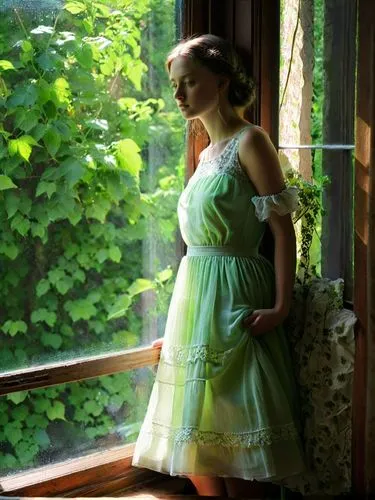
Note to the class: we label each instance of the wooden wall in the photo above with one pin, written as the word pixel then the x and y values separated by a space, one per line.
pixel 253 27
pixel 364 257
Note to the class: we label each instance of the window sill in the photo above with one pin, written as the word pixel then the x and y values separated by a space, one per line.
pixel 92 475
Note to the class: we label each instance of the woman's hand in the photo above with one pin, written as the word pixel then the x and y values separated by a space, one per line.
pixel 157 342
pixel 263 320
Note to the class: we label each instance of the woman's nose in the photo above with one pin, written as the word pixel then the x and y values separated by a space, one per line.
pixel 179 95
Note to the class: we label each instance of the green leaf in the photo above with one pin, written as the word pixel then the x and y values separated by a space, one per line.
pixel 52 141
pixel 64 129
pixel 62 91
pixel 6 183
pixel 22 146
pixel 46 187
pixel 50 109
pixel 8 461
pixel 17 327
pixel 4 419
pixel 84 56
pixel 88 25
pixel 26 121
pixel 5 65
pixel 103 9
pixel 12 202
pixel 20 224
pixel 36 420
pixel 115 254
pixel 25 205
pixel 14 327
pixel 102 255
pixel 80 309
pixel 71 169
pixel 17 397
pixel 37 230
pixel 43 315
pixel 57 411
pixel 42 287
pixel 67 330
pixel 41 405
pixel 30 95
pixel 51 339
pixel 55 275
pixel 20 412
pixel 134 72
pixel 107 67
pixel 75 216
pixel 75 7
pixel 128 157
pixel 124 338
pixel 164 275
pixel 94 296
pixel 64 285
pixel 93 408
pixel 10 250
pixel 13 432
pixel 99 209
pixel 79 275
pixel 3 132
pixel 120 307
pixel 39 131
pixel 26 46
pixel 140 285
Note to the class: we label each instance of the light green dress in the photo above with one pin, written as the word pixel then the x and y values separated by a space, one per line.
pixel 223 402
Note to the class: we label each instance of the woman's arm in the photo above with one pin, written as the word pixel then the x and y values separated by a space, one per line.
pixel 259 159
pixel 285 261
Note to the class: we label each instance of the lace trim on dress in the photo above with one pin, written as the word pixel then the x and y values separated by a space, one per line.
pixel 181 355
pixel 224 163
pixel 282 203
pixel 260 437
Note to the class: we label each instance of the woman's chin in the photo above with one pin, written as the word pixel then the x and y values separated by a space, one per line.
pixel 187 112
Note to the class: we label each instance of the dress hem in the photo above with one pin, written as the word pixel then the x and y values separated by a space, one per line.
pixel 164 470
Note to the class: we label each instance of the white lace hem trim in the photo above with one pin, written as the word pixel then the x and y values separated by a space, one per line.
pixel 282 203
pixel 260 437
pixel 181 355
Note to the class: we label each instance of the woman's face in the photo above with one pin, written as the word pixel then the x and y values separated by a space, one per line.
pixel 196 89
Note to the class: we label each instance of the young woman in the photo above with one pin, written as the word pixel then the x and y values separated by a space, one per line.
pixel 223 406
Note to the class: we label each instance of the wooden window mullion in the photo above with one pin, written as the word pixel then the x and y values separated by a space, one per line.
pixel 77 369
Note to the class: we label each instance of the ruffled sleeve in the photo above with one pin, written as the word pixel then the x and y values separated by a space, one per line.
pixel 282 203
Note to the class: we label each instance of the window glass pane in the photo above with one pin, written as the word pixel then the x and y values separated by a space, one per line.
pixel 91 150
pixel 46 426
pixel 310 98
pixel 301 100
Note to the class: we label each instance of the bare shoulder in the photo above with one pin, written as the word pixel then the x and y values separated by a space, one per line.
pixel 258 157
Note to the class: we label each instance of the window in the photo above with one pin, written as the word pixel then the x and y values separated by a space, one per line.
pixel 92 163
pixel 317 76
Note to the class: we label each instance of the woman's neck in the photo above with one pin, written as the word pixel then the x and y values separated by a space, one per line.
pixel 221 125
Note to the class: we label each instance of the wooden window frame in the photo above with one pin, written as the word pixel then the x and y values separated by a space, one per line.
pixel 252 25
pixel 77 369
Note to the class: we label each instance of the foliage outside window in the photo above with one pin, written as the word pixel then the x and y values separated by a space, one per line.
pixel 91 169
